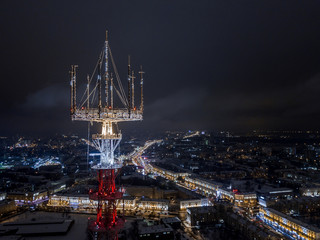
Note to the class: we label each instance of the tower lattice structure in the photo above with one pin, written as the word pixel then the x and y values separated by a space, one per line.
pixel 107 113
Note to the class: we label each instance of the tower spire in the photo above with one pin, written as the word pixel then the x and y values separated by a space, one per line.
pixel 111 91
pixel 71 88
pixel 132 88
pixel 88 93
pixel 129 86
pixel 141 87
pixel 107 70
pixel 99 86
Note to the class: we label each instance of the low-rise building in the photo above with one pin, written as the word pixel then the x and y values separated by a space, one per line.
pixel 246 200
pixel 168 174
pixel 29 197
pixel 153 204
pixel 249 229
pixel 208 187
pixel 151 231
pixel 3 196
pixel 310 191
pixel 189 203
pixel 288 225
pixel 197 216
pixel 268 194
pixel 203 185
pixel 174 222
pixel 82 202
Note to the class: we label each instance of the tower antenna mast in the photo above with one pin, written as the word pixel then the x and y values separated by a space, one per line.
pixel 141 87
pixel 107 223
pixel 129 86
pixel 107 70
pixel 132 88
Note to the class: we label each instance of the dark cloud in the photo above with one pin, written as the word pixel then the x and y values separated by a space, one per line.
pixel 229 64
pixel 177 111
pixel 50 97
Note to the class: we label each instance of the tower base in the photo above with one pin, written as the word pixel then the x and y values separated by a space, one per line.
pixel 107 223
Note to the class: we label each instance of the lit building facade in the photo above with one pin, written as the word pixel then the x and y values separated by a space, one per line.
pixel 207 187
pixel 82 203
pixel 167 174
pixel 3 196
pixel 184 204
pixel 245 200
pixel 153 204
pixel 22 198
pixel 288 225
pixel 310 192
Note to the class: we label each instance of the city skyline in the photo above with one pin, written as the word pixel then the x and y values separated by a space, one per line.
pixel 229 145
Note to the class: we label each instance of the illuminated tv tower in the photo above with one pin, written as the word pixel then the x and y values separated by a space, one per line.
pixel 92 109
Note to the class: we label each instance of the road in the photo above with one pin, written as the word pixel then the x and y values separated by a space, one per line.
pixel 136 158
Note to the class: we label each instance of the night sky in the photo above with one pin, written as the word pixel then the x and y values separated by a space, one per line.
pixel 216 65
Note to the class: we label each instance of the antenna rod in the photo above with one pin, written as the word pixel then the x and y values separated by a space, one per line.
pixel 71 88
pixel 132 87
pixel 88 93
pixel 129 87
pixel 111 91
pixel 74 87
pixel 88 147
pixel 141 85
pixel 99 86
pixel 107 70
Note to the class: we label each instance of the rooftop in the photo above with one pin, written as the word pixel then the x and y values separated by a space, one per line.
pixel 39 227
pixel 154 229
pixel 170 220
pixel 205 209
